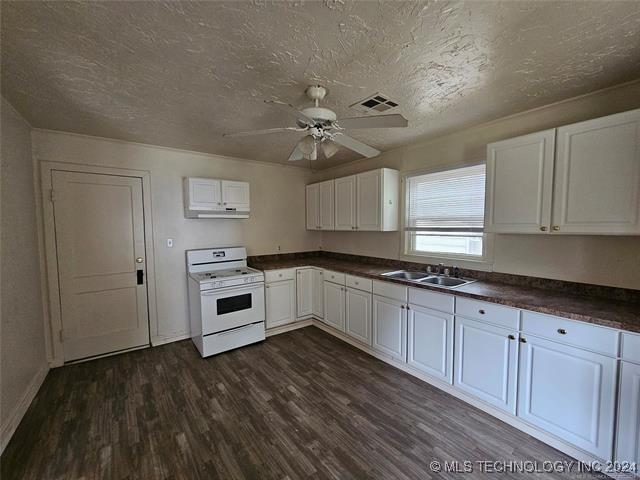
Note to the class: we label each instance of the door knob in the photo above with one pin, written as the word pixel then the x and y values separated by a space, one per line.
pixel 139 260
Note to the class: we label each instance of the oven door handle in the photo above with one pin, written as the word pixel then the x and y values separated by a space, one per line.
pixel 239 288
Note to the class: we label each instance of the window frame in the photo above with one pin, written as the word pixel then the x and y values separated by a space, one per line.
pixel 483 262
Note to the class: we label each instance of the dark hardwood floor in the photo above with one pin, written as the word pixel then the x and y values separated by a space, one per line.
pixel 299 405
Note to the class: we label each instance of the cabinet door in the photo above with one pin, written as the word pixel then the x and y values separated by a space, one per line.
pixel 430 340
pixel 358 315
pixel 334 305
pixel 281 303
pixel 368 203
pixel 318 293
pixel 204 194
pixel 326 205
pixel 345 203
pixel 519 183
pixel 390 327
pixel 304 289
pixel 597 178
pixel 313 207
pixel 235 195
pixel 628 443
pixel 485 362
pixel 568 392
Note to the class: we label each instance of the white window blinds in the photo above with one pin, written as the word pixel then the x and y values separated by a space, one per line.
pixel 448 201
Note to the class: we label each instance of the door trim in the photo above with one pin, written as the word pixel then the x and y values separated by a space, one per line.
pixel 51 289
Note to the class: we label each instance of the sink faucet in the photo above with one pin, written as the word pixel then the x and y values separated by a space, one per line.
pixel 440 268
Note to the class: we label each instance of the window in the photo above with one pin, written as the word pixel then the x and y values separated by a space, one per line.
pixel 445 213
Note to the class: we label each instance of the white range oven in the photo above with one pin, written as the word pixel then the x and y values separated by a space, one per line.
pixel 226 300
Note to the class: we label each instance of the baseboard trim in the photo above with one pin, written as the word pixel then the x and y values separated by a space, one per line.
pixel 156 341
pixel 515 422
pixel 289 326
pixel 14 419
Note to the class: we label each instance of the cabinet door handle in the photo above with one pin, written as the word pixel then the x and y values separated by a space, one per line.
pixel 544 229
pixel 523 340
pixel 511 337
pixel 556 228
pixel 562 331
pixel 481 312
pixel 408 308
pixel 402 307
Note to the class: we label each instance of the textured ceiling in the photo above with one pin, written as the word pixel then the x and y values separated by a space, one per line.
pixel 180 74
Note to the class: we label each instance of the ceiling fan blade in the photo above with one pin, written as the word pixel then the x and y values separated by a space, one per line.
pixel 262 132
pixel 355 145
pixel 377 121
pixel 296 154
pixel 291 110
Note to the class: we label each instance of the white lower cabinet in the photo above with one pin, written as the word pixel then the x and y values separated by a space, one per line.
pixel 568 392
pixel 390 327
pixel 485 363
pixel 318 292
pixel 628 439
pixel 358 315
pixel 304 292
pixel 334 305
pixel 280 303
pixel 430 342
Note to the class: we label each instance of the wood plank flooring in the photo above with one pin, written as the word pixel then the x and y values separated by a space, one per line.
pixel 299 405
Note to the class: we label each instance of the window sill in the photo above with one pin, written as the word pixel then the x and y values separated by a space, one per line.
pixel 481 264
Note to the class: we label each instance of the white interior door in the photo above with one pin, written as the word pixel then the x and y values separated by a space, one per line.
pixel 100 249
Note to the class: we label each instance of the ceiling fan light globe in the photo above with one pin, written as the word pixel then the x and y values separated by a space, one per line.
pixel 329 149
pixel 307 145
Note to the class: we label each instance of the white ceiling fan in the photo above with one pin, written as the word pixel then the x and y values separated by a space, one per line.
pixel 324 129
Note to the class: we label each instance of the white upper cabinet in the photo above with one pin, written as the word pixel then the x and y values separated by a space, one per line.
pixel 377 194
pixel 519 183
pixel 597 177
pixel 235 195
pixel 569 392
pixel 313 206
pixel 587 183
pixel 366 201
pixel 212 198
pixel 345 203
pixel 326 204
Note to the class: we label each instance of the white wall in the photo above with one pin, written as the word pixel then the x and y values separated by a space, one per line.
pixel 613 261
pixel 23 363
pixel 277 221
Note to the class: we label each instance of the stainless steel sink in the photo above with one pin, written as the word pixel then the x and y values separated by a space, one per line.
pixel 406 275
pixel 448 282
pixel 428 278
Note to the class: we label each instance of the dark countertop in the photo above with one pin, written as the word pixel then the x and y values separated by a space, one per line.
pixel 599 311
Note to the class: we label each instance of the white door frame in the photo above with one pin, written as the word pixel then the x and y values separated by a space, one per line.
pixel 53 324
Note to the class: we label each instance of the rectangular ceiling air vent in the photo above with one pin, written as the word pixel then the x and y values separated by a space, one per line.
pixel 378 102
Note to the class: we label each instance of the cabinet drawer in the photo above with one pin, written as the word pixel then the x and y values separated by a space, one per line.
pixel 630 347
pixel 335 277
pixel 570 332
pixel 488 312
pixel 278 275
pixel 426 298
pixel 390 290
pixel 360 283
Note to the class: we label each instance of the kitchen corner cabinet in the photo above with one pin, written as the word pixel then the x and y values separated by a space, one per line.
pixel 320 206
pixel 486 362
pixel 568 392
pixel 628 440
pixel 304 292
pixel 334 305
pixel 390 327
pixel 368 201
pixel 280 303
pixel 582 178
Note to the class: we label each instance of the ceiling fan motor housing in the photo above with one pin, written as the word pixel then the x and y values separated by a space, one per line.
pixel 323 116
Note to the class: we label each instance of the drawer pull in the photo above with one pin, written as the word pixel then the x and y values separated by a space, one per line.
pixel 481 312
pixel 511 337
pixel 523 340
pixel 562 331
